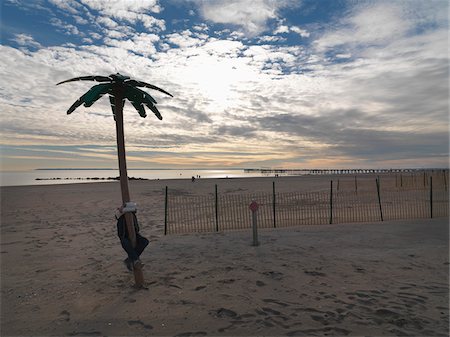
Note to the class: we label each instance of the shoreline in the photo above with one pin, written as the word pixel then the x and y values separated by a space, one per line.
pixel 276 173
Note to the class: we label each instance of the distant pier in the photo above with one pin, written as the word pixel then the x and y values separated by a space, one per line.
pixel 270 171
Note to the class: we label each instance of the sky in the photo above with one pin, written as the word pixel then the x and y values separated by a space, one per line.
pixel 255 83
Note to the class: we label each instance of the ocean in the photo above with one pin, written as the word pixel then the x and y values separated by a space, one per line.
pixel 71 176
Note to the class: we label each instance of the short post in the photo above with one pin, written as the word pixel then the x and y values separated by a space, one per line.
pixel 356 185
pixel 331 203
pixel 379 198
pixel 165 214
pixel 274 203
pixel 431 197
pixel 254 208
pixel 217 211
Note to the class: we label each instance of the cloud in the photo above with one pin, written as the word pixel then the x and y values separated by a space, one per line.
pixel 123 9
pixel 299 31
pixel 281 29
pixel 132 11
pixel 70 6
pixel 347 93
pixel 284 29
pixel 106 21
pixel 142 44
pixel 252 17
pixel 381 23
pixel 25 40
pixel 66 28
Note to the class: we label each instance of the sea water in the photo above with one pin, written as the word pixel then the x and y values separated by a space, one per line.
pixel 71 176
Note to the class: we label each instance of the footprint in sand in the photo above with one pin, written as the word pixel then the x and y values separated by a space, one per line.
pixel 64 316
pixel 222 312
pixel 226 281
pixel 314 273
pixel 274 275
pixel 140 323
pixel 85 333
pixel 191 334
pixel 269 300
pixel 199 288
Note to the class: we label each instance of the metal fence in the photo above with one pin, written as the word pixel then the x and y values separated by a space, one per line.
pixel 414 199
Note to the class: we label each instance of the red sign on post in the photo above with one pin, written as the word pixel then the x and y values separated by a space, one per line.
pixel 254 206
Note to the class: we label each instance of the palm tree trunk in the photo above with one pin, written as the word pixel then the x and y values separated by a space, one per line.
pixel 118 108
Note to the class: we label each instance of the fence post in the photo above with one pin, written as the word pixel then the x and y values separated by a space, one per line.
pixel 331 203
pixel 217 211
pixel 356 185
pixel 379 198
pixel 274 203
pixel 165 214
pixel 445 180
pixel 431 197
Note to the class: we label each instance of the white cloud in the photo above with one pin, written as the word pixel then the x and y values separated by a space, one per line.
pixel 299 31
pixel 66 28
pixel 26 40
pixel 281 29
pixel 114 34
pixel 185 39
pixel 106 21
pixel 271 38
pixel 122 8
pixel 80 20
pixel 251 17
pixel 132 11
pixel 343 56
pixel 222 47
pixel 140 43
pixel 70 6
pixel 381 23
pixel 201 27
pixel 150 22
pixel 95 36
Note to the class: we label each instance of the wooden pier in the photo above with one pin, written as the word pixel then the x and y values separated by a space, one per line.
pixel 271 171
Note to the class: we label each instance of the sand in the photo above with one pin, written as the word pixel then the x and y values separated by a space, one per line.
pixel 62 272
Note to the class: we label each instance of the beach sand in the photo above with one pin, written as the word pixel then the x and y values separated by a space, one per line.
pixel 62 272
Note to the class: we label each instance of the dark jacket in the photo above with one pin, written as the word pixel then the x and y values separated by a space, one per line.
pixel 122 231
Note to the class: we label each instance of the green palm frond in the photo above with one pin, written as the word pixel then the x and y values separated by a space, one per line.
pixel 91 96
pixel 140 108
pixel 135 83
pixel 88 78
pixel 139 97
pixel 118 85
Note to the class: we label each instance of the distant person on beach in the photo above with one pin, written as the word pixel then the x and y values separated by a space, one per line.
pixel 122 232
pixel 193 178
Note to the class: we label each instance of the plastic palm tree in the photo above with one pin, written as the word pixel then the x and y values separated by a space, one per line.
pixel 120 88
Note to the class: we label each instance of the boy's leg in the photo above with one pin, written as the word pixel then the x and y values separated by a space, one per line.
pixel 126 245
pixel 141 243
